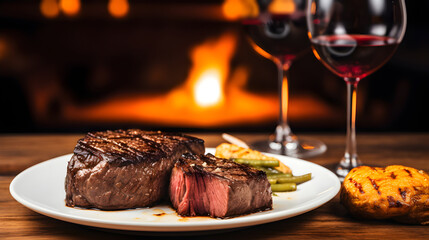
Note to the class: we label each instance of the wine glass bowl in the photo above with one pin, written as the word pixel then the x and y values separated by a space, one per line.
pixel 354 56
pixel 282 37
pixel 279 33
pixel 353 39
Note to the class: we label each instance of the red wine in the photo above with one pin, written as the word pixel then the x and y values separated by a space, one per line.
pixel 353 56
pixel 282 36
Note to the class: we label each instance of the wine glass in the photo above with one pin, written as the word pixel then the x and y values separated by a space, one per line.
pixel 279 33
pixel 354 38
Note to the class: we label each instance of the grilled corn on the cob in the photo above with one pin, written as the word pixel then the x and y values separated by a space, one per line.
pixel 226 150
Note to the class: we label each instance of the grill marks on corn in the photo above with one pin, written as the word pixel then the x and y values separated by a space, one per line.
pixel 397 192
pixel 409 173
pixel 393 203
pixel 374 184
pixel 357 185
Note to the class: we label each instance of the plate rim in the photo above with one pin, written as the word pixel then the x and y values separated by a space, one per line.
pixel 249 220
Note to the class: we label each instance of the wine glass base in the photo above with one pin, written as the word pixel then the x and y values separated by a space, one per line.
pixel 341 172
pixel 346 165
pixel 302 148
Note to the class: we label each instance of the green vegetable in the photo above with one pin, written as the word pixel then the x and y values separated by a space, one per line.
pixel 279 175
pixel 280 181
pixel 272 181
pixel 283 187
pixel 267 169
pixel 257 162
pixel 292 179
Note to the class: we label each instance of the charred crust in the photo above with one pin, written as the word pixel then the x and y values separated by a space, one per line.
pixel 403 193
pixel 393 175
pixel 125 147
pixel 374 184
pixel 409 173
pixel 393 203
pixel 210 165
pixel 357 185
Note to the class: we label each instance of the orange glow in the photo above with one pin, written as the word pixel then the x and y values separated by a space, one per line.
pixel 307 147
pixel 208 89
pixel 3 48
pixel 313 8
pixel 70 7
pixel 316 54
pixel 282 6
pixel 212 95
pixel 210 63
pixel 238 9
pixel 261 51
pixel 353 106
pixel 118 8
pixel 49 8
pixel 285 98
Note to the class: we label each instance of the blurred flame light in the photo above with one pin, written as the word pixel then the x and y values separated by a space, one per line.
pixel 212 95
pixel 3 48
pixel 282 7
pixel 118 8
pixel 210 70
pixel 208 90
pixel 313 8
pixel 49 8
pixel 238 9
pixel 70 7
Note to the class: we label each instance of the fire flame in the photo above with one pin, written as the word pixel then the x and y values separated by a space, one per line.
pixel 208 90
pixel 49 8
pixel 212 95
pixel 282 6
pixel 70 7
pixel 210 68
pixel 238 9
pixel 118 8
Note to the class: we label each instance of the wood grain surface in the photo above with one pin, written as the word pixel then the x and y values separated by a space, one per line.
pixel 18 152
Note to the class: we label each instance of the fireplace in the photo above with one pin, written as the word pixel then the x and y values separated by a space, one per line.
pixel 70 65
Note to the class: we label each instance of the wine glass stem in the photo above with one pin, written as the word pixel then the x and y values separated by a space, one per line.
pixel 350 159
pixel 283 132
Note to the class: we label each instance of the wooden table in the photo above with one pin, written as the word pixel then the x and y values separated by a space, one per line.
pixel 18 152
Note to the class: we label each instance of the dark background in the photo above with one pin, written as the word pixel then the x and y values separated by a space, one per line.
pixel 45 63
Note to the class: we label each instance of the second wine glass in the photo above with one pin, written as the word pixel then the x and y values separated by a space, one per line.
pixel 279 33
pixel 353 39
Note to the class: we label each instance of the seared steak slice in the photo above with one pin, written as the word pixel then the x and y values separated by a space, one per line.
pixel 206 185
pixel 124 168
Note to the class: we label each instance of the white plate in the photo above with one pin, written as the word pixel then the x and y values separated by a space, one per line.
pixel 41 189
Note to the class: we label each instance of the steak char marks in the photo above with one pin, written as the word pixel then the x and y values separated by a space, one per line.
pixel 125 168
pixel 209 186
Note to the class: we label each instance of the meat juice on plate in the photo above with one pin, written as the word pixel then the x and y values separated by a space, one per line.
pixel 281 36
pixel 353 56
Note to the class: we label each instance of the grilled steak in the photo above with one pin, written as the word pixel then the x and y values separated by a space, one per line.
pixel 206 185
pixel 124 168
